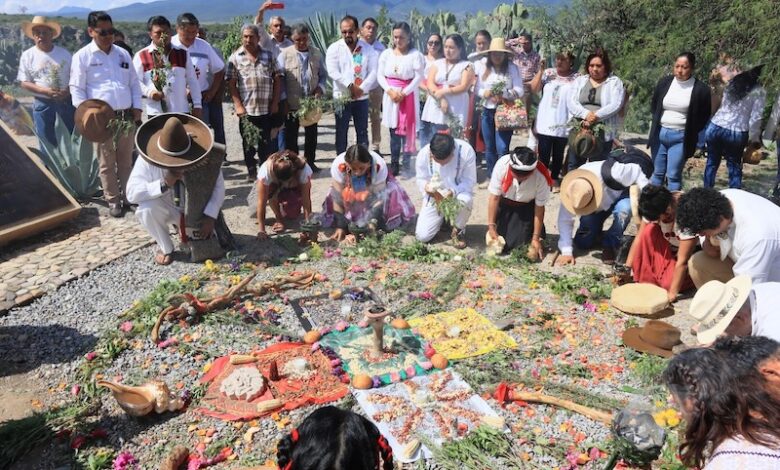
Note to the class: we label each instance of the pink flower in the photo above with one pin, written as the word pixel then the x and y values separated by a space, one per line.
pixel 78 442
pixel 341 325
pixel 75 389
pixel 90 355
pixel 126 327
pixel 590 307
pixel 584 291
pixel 124 461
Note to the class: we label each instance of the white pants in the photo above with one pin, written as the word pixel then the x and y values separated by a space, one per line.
pixel 429 220
pixel 156 216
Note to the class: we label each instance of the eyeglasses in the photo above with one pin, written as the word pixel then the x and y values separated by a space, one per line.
pixel 433 43
pixel 104 32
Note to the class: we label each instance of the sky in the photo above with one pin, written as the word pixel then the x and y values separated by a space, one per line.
pixel 12 6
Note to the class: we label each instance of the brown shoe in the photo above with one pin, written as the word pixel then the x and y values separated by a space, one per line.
pixel 608 255
pixel 162 259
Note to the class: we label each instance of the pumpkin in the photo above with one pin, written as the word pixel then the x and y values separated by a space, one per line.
pixel 400 324
pixel 362 382
pixel 311 337
pixel 439 361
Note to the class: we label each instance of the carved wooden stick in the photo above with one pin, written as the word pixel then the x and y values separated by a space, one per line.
pixel 592 413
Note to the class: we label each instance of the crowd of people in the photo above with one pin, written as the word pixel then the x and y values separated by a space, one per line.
pixel 724 244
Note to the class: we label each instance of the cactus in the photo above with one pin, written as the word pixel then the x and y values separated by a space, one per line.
pixel 72 161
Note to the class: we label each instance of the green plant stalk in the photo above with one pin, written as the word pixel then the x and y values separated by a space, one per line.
pixel 449 208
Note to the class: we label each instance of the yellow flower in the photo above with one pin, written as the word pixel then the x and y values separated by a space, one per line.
pixel 185 279
pixel 234 280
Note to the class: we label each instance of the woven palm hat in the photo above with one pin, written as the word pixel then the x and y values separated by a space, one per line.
pixel 716 304
pixel 27 26
pixel 496 45
pixel 581 192
pixel 174 141
pixel 654 337
pixel 639 298
pixel 92 118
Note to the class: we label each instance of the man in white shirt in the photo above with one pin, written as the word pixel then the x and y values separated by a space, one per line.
pixel 737 307
pixel 44 71
pixel 101 70
pixel 445 168
pixel 740 231
pixel 595 191
pixel 205 61
pixel 166 142
pixel 368 32
pixel 518 190
pixel 352 65
pixel 166 77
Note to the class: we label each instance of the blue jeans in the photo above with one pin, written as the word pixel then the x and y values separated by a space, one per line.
pixel 496 142
pixel 396 148
pixel 668 158
pixel 591 225
pixel 214 117
pixel 45 114
pixel 357 111
pixel 428 130
pixel 724 142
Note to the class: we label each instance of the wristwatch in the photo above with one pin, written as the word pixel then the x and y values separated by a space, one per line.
pixel 163 186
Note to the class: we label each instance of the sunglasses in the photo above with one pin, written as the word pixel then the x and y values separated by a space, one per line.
pixel 433 43
pixel 104 32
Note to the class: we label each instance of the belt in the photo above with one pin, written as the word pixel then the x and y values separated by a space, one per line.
pixel 513 203
pixel 126 114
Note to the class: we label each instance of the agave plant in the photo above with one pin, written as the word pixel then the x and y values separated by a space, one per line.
pixel 324 30
pixel 72 161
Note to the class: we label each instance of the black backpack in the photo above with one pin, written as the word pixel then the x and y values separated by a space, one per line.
pixel 625 156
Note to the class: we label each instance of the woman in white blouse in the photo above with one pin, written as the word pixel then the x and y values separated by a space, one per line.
pixel 498 81
pixel 449 80
pixel 553 112
pixel 737 122
pixel 399 74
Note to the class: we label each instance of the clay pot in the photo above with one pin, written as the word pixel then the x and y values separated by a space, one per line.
pixel 362 382
pixel 439 361
pixel 141 400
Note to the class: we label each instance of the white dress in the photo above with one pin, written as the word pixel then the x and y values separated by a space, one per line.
pixel 450 75
pixel 409 66
pixel 513 84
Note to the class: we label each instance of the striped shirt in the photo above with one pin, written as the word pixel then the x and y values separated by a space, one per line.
pixel 255 80
pixel 737 453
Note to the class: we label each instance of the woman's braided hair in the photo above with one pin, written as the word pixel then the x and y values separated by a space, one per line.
pixel 334 439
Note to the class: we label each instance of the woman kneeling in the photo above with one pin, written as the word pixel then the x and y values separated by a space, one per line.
pixel 659 254
pixel 284 182
pixel 365 194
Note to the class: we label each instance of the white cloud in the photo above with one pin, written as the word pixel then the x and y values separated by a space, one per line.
pixel 13 6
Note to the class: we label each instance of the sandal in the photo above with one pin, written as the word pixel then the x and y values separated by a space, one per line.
pixel 162 259
pixel 458 238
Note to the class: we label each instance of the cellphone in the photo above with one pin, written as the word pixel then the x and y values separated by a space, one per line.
pixel 276 6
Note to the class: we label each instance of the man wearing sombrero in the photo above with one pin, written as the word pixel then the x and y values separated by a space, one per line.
pixel 170 145
pixel 596 191
pixel 737 307
pixel 44 71
pixel 103 80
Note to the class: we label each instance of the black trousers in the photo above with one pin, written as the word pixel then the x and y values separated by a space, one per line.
pixel 291 129
pixel 551 149
pixel 515 222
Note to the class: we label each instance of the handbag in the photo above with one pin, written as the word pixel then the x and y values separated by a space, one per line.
pixel 511 117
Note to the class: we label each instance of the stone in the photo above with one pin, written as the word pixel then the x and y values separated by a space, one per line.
pixel 23 299
pixel 5 306
pixel 246 383
pixel 78 272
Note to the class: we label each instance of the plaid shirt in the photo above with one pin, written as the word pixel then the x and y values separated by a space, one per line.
pixel 255 80
pixel 527 62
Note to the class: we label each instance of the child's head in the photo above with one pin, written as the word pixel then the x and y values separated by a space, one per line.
pixel 334 439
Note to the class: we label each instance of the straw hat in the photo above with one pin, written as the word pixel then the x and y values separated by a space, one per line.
pixel 639 299
pixel 654 337
pixel 496 45
pixel 92 117
pixel 716 304
pixel 174 140
pixel 27 26
pixel 581 192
